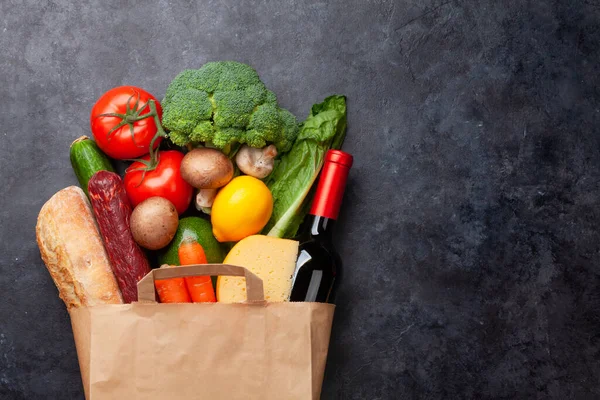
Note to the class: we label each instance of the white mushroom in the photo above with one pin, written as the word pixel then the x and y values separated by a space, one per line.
pixel 256 162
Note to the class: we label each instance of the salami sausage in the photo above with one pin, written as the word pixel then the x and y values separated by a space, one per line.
pixel 113 210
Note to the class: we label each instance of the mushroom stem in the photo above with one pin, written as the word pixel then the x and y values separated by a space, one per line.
pixel 205 199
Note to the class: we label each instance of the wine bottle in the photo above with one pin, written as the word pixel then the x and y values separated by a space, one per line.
pixel 319 266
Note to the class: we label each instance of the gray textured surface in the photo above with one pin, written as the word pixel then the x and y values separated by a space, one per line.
pixel 470 228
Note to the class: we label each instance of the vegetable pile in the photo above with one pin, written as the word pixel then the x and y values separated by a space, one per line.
pixel 219 138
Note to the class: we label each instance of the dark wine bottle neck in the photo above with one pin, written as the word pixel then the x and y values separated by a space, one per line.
pixel 321 227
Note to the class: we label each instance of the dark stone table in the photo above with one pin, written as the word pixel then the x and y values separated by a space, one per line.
pixel 470 229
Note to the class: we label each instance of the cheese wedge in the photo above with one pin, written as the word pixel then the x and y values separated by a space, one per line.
pixel 272 259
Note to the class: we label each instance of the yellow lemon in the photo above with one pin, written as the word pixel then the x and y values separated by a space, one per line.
pixel 242 208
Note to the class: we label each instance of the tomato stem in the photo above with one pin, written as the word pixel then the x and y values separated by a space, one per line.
pixel 132 115
pixel 152 163
pixel 160 132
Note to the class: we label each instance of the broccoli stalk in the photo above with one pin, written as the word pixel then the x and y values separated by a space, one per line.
pixel 224 104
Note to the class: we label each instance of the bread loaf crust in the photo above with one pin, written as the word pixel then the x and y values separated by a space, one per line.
pixel 72 249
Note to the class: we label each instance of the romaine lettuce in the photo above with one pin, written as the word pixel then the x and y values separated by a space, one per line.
pixel 296 171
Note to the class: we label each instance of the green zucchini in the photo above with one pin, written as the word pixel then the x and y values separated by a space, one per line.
pixel 200 230
pixel 87 159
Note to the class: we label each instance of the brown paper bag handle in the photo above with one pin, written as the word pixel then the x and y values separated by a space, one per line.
pixel 254 285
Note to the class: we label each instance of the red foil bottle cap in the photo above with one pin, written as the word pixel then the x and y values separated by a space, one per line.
pixel 330 190
pixel 340 157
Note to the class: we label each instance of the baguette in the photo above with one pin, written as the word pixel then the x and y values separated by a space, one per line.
pixel 71 248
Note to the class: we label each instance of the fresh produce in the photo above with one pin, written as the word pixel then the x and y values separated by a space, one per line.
pixel 72 250
pixel 154 222
pixel 200 287
pixel 272 259
pixel 205 168
pixel 164 180
pixel 87 159
pixel 242 208
pixel 224 104
pixel 205 199
pixel 295 173
pixel 172 290
pixel 113 211
pixel 123 122
pixel 248 163
pixel 256 162
pixel 199 230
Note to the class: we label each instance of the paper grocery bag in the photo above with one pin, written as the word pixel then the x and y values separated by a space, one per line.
pixel 254 350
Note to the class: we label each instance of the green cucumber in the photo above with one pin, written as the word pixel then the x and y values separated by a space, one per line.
pixel 87 159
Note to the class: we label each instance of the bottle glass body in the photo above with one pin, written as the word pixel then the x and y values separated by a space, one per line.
pixel 319 266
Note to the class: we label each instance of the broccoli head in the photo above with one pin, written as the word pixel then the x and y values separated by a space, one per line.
pixel 224 103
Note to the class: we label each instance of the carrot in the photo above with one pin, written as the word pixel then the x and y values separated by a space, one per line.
pixel 199 287
pixel 172 290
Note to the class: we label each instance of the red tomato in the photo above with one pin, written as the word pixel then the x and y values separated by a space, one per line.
pixel 120 143
pixel 164 181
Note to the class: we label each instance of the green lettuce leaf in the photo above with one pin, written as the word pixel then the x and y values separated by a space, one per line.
pixel 295 173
